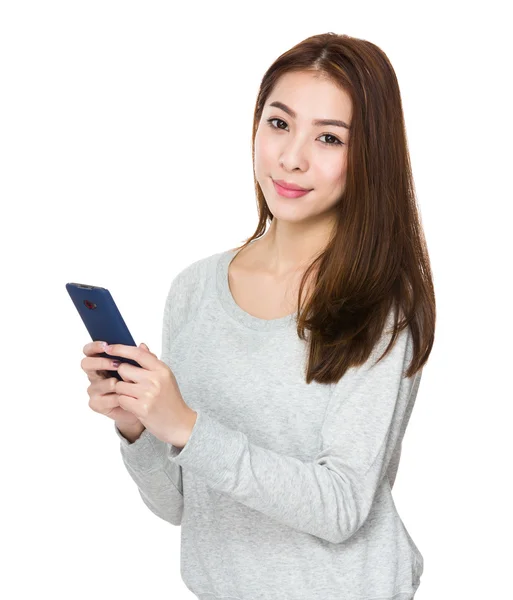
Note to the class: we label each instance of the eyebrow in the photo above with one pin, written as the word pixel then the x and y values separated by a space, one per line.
pixel 317 122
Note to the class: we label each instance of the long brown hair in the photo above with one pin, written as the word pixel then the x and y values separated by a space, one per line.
pixel 376 261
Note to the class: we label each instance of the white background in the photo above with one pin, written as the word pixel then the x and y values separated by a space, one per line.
pixel 125 155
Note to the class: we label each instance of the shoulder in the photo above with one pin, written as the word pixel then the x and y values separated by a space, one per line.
pixel 190 281
pixel 185 292
pixel 198 270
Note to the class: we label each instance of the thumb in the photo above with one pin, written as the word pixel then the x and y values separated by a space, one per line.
pixel 144 346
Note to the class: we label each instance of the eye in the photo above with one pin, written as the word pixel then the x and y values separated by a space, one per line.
pixel 336 143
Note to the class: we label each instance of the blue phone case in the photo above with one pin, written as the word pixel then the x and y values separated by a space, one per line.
pixel 102 318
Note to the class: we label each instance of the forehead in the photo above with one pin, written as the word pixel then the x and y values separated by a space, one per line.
pixel 312 96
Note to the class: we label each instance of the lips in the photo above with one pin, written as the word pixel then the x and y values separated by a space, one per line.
pixel 290 186
pixel 286 193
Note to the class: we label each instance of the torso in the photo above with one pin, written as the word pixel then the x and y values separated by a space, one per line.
pixel 259 293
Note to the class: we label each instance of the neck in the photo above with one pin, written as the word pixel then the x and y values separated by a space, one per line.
pixel 289 247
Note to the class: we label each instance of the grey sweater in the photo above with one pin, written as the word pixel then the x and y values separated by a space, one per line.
pixel 283 491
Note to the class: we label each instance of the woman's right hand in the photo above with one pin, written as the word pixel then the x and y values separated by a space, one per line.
pixel 102 395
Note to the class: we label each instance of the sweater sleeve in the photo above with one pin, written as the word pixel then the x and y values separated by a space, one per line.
pixel 330 496
pixel 158 480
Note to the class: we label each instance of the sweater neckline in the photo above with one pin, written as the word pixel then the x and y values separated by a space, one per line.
pixel 234 310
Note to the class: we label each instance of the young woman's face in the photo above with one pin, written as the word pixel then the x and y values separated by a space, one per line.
pixel 299 152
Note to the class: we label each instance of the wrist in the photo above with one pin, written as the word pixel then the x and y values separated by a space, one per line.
pixel 187 427
pixel 131 432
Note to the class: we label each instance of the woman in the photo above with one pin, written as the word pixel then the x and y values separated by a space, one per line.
pixel 282 484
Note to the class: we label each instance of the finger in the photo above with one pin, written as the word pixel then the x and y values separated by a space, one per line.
pixel 93 348
pixel 108 385
pixel 132 374
pixel 133 405
pixel 103 400
pixel 110 400
pixel 97 375
pixel 143 345
pixel 146 359
pixel 95 363
pixel 102 386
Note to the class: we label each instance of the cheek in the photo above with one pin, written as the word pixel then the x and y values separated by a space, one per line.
pixel 263 155
pixel 263 146
pixel 334 172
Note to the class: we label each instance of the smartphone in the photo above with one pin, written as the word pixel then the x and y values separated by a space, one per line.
pixel 102 318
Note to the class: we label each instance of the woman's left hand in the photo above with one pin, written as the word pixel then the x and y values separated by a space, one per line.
pixel 151 393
